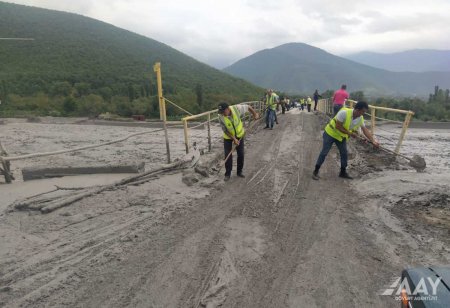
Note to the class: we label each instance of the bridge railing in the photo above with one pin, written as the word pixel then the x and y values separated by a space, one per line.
pixel 326 106
pixel 206 118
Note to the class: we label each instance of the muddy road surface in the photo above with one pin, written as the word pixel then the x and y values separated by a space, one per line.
pixel 274 239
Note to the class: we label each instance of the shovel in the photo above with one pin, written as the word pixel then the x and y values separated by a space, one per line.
pixel 226 158
pixel 417 162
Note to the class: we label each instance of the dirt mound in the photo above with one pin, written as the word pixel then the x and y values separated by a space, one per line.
pixel 430 198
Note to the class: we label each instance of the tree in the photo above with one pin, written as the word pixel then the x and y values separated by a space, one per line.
pixel 82 89
pixel 69 105
pixel 199 94
pixel 60 88
pixel 92 105
pixel 106 93
pixel 357 96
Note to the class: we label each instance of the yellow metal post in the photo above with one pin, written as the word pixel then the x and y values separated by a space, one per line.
pixel 373 119
pixel 403 133
pixel 157 70
pixel 209 132
pixel 186 136
pixel 162 106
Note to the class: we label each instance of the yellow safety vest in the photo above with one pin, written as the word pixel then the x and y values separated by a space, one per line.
pixel 270 101
pixel 337 134
pixel 234 125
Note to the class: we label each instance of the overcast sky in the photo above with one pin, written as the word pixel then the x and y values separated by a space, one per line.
pixel 220 32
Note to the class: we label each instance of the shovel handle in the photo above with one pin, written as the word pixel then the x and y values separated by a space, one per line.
pixel 226 158
pixel 385 149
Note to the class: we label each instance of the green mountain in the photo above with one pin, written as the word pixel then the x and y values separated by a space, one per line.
pixel 78 65
pixel 417 60
pixel 300 68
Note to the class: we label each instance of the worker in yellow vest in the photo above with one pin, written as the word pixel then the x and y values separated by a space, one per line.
pixel 233 133
pixel 346 123
pixel 308 103
pixel 272 100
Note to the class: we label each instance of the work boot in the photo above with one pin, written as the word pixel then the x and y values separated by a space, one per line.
pixel 266 127
pixel 315 175
pixel 241 175
pixel 226 178
pixel 343 174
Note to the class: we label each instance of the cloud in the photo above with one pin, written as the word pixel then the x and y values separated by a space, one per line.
pixel 221 32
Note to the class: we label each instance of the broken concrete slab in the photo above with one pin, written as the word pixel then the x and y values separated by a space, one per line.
pixel 33 173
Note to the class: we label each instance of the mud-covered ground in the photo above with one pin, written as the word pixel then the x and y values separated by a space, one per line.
pixel 418 201
pixel 274 239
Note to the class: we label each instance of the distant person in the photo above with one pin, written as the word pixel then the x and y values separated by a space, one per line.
pixel 339 98
pixel 344 124
pixel 283 105
pixel 233 133
pixel 316 97
pixel 277 108
pixel 302 102
pixel 309 103
pixel 271 106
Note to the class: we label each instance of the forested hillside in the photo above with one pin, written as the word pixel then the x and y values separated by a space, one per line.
pixel 417 60
pixel 80 66
pixel 301 68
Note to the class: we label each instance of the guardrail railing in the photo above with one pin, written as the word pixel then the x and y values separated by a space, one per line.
pixel 211 116
pixel 326 106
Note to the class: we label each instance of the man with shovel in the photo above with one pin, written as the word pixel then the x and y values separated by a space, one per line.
pixel 344 124
pixel 233 134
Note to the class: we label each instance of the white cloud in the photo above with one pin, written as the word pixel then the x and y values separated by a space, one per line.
pixel 223 31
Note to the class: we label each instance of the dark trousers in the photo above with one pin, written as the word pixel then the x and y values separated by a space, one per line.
pixel 336 109
pixel 327 144
pixel 227 146
pixel 315 104
pixel 309 107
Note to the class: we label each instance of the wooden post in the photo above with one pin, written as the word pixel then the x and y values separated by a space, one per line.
pixel 186 136
pixel 403 133
pixel 162 106
pixel 373 119
pixel 209 132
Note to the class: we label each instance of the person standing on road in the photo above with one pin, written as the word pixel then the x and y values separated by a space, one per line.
pixel 277 106
pixel 316 97
pixel 283 105
pixel 271 106
pixel 233 133
pixel 344 124
pixel 339 98
pixel 308 103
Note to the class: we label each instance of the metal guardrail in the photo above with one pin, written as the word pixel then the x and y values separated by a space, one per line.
pixel 257 105
pixel 326 106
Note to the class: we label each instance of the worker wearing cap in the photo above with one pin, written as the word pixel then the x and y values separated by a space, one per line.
pixel 233 133
pixel 346 122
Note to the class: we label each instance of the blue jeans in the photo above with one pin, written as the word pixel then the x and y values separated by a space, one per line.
pixel 336 109
pixel 270 117
pixel 327 144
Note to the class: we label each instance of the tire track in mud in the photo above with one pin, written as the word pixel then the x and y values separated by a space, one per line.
pixel 227 274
